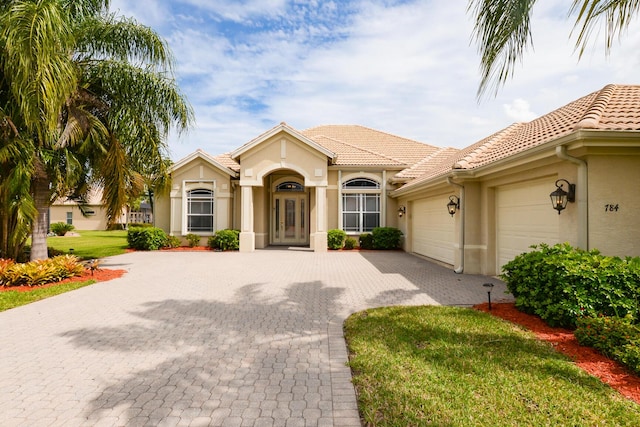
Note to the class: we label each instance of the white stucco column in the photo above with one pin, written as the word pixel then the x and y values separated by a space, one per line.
pixel 247 235
pixel 320 239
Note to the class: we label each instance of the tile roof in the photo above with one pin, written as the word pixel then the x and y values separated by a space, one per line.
pixel 402 150
pixel 226 161
pixel 351 155
pixel 614 107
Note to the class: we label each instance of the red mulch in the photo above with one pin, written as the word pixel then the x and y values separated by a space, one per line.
pixel 99 275
pixel 587 358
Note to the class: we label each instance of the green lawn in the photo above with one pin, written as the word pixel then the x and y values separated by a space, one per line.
pixel 91 244
pixel 445 366
pixel 11 299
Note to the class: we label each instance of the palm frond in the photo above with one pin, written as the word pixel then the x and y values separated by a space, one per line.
pixel 503 32
pixel 617 15
pixel 123 39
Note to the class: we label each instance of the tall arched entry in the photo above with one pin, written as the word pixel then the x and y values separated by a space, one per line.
pixel 289 222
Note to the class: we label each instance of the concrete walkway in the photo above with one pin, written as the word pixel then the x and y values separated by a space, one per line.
pixel 208 338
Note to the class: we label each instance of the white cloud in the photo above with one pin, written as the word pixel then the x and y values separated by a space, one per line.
pixel 519 111
pixel 403 67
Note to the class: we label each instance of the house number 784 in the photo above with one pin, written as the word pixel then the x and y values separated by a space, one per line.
pixel 611 208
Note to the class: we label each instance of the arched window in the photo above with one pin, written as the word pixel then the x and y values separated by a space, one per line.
pixel 289 186
pixel 200 210
pixel 360 205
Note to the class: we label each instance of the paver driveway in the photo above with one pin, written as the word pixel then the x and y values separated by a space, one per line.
pixel 208 338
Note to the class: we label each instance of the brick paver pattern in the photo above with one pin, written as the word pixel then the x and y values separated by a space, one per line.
pixel 209 338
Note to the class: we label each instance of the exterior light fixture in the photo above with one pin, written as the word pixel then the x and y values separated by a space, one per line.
pixel 453 205
pixel 489 287
pixel 402 210
pixel 559 197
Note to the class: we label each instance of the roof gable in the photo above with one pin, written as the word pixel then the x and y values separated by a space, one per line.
pixel 282 128
pixel 199 154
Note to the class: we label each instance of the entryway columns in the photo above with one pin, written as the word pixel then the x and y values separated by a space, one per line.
pixel 320 237
pixel 247 235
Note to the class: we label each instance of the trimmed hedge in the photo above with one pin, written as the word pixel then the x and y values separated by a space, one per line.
pixel 336 238
pixel 386 238
pixel 146 238
pixel 561 284
pixel 225 240
pixel 365 241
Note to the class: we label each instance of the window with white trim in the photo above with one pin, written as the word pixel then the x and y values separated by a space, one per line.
pixel 200 210
pixel 360 205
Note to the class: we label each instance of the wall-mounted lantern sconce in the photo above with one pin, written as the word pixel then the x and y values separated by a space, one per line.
pixel 402 210
pixel 559 197
pixel 453 205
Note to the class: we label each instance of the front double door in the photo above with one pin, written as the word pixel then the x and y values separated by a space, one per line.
pixel 290 221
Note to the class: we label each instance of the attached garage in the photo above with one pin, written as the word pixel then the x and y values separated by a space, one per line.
pixel 433 229
pixel 524 218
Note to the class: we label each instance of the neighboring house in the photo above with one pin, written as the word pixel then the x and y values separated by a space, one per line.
pixel 88 214
pixel 289 187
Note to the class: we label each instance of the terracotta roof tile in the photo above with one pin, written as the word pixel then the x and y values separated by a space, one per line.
pixel 614 107
pixel 226 161
pixel 404 151
pixel 350 155
pixel 426 164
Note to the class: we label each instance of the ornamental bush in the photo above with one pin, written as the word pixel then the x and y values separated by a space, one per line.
pixel 365 241
pixel 561 284
pixel 193 239
pixel 146 238
pixel 615 337
pixel 39 272
pixel 225 240
pixel 350 243
pixel 335 239
pixel 60 228
pixel 386 237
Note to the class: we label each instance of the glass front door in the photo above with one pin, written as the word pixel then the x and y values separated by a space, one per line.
pixel 290 219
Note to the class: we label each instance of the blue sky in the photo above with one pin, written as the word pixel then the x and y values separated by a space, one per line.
pixel 405 67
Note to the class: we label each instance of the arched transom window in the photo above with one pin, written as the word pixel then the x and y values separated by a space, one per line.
pixel 360 205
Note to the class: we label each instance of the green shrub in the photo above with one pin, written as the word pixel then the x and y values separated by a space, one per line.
pixel 225 240
pixel 39 272
pixel 386 237
pixel 366 241
pixel 140 225
pixel 193 239
pixel 335 239
pixel 350 243
pixel 146 238
pixel 60 228
pixel 172 242
pixel 615 337
pixel 561 284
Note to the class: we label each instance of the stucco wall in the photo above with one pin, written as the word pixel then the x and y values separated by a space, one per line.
pixel 614 204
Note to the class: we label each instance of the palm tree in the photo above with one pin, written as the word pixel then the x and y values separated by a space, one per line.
pixel 502 31
pixel 96 95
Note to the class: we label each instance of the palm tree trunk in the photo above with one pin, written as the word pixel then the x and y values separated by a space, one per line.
pixel 41 198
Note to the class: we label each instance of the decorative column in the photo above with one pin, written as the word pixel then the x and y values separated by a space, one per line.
pixel 247 235
pixel 320 240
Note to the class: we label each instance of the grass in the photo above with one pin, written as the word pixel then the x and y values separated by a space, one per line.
pixel 91 244
pixel 12 299
pixel 445 366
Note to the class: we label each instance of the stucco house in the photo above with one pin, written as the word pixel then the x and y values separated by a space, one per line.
pixel 473 208
pixel 88 214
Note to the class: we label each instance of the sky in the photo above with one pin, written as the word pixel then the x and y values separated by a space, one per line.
pixel 406 67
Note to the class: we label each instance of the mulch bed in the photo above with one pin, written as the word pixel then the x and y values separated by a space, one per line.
pixel 608 371
pixel 99 275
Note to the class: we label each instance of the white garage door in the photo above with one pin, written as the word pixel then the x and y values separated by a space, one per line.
pixel 524 218
pixel 432 229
